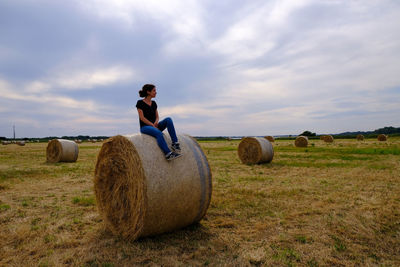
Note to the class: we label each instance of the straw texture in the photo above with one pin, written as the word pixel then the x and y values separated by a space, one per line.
pixel 360 137
pixel 301 141
pixel 139 193
pixel 61 150
pixel 382 137
pixel 270 138
pixel 328 138
pixel 254 150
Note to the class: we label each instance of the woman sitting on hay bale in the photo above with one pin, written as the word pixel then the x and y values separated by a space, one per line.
pixel 149 124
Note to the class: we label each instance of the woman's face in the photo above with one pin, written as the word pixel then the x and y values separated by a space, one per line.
pixel 152 93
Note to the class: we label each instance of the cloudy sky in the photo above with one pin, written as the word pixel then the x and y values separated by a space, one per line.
pixel 227 67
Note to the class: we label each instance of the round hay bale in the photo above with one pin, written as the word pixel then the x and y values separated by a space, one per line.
pixel 61 150
pixel 301 141
pixel 139 193
pixel 254 150
pixel 328 138
pixel 382 137
pixel 322 137
pixel 78 141
pixel 21 143
pixel 270 138
pixel 4 143
pixel 360 137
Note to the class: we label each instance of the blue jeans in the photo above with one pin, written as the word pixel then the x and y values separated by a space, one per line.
pixel 157 133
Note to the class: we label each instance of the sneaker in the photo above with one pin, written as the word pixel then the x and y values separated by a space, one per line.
pixel 172 155
pixel 176 147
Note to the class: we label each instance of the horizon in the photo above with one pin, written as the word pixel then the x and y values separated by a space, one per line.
pixel 221 68
pixel 202 136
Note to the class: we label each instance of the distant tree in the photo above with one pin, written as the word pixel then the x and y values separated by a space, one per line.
pixel 3 138
pixel 387 130
pixel 308 133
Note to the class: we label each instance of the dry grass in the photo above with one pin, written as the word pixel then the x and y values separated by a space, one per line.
pixel 328 204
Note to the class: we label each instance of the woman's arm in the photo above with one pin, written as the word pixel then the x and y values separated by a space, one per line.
pixel 156 122
pixel 142 118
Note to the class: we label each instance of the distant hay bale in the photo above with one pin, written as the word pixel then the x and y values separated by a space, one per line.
pixel 360 137
pixel 382 137
pixel 270 138
pixel 21 143
pixel 93 140
pixel 4 143
pixel 61 150
pixel 328 138
pixel 78 141
pixel 254 150
pixel 139 193
pixel 301 141
pixel 322 137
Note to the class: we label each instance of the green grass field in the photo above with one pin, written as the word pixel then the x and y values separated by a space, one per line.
pixel 329 204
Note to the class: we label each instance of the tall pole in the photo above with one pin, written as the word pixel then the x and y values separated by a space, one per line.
pixel 14 131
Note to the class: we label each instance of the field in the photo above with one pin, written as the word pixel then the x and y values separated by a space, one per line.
pixel 326 205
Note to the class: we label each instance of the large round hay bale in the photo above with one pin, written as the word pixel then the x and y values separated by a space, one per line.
pixel 360 137
pixel 328 138
pixel 382 137
pixel 254 150
pixel 139 193
pixel 301 141
pixel 61 150
pixel 21 143
pixel 270 138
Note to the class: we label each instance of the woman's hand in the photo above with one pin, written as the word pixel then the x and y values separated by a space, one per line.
pixel 156 124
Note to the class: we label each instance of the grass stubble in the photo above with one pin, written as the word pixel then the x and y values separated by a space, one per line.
pixel 327 204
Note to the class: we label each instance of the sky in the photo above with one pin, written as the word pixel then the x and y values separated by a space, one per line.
pixel 222 68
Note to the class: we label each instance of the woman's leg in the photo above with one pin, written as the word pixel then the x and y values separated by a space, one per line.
pixel 167 123
pixel 150 130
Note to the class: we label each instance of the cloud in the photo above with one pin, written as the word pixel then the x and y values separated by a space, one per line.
pixel 255 33
pixel 81 79
pixel 37 87
pixel 193 110
pixel 8 91
pixel 89 79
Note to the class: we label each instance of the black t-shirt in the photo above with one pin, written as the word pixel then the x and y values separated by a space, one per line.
pixel 149 112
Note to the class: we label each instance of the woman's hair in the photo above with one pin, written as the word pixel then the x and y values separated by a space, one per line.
pixel 146 88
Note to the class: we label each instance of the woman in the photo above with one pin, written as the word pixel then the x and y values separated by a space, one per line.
pixel 148 118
